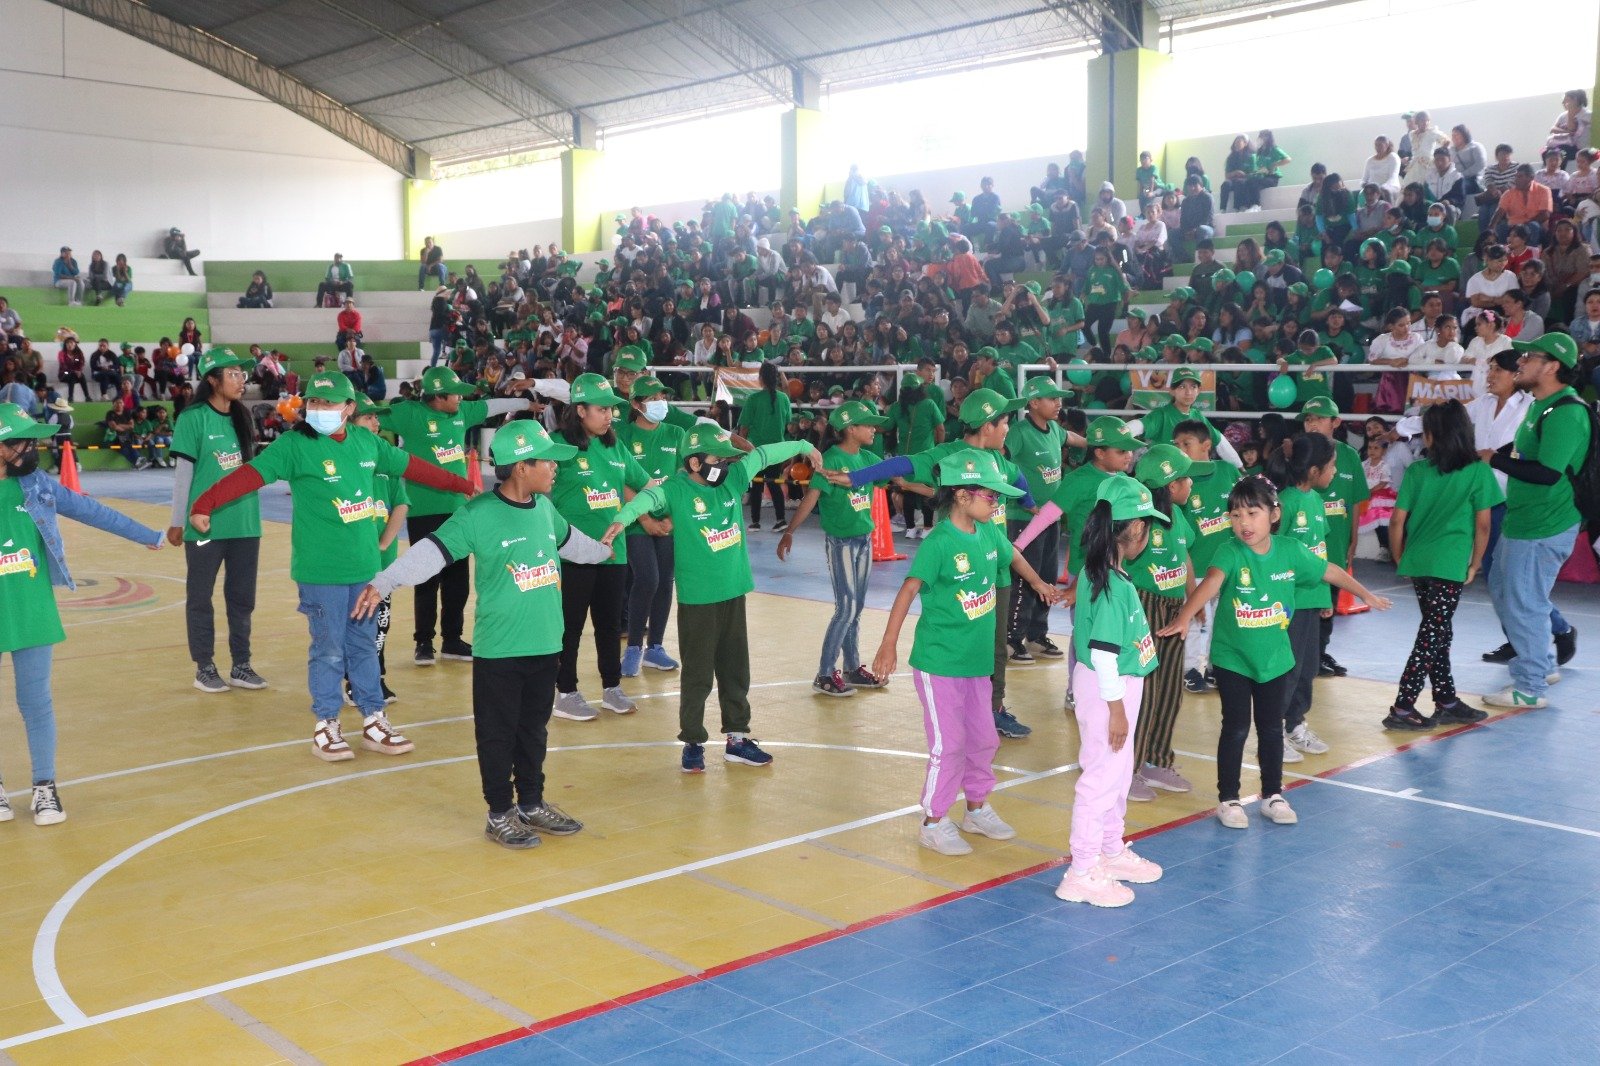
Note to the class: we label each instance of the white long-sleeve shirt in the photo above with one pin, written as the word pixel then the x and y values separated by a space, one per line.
pixel 1492 429
pixel 1384 173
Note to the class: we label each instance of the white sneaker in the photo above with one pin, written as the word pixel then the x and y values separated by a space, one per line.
pixel 1231 813
pixel 1290 754
pixel 1277 810
pixel 1126 866
pixel 379 736
pixel 574 708
pixel 1511 697
pixel 1307 741
pixel 897 523
pixel 328 743
pixel 1553 677
pixel 6 813
pixel 943 837
pixel 987 823
pixel 1095 887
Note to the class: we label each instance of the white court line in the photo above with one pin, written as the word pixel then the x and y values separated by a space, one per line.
pixel 1411 796
pixel 73 1018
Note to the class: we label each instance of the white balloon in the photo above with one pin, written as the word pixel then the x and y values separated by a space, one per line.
pixel 182 361
pixel 187 349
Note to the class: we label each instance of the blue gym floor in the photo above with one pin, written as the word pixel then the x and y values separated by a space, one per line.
pixel 1442 902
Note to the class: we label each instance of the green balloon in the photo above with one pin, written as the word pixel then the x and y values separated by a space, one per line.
pixel 1283 391
pixel 1125 383
pixel 1322 279
pixel 1246 280
pixel 1079 377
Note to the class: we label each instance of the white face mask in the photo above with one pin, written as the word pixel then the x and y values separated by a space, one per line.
pixel 1435 222
pixel 325 422
pixel 656 410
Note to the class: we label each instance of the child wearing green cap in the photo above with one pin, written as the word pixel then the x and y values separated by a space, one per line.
pixel 713 562
pixel 520 540
pixel 956 576
pixel 1159 425
pixel 846 516
pixel 330 466
pixel 654 443
pixel 32 561
pixel 1115 654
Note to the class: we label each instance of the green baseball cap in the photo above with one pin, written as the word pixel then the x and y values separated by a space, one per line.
pixel 1163 464
pixel 983 406
pixel 988 351
pixel 1173 340
pixel 1033 287
pixel 125 346
pixel 1399 266
pixel 958 197
pixel 1558 346
pixel 1319 407
pixel 1148 354
pixel 1136 313
pixel 855 413
pixel 335 388
pixel 1129 499
pixel 16 425
pixel 366 406
pixel 219 358
pixel 630 359
pixel 708 440
pixel 595 390
pixel 1221 278
pixel 837 390
pixel 1042 388
pixel 1300 288
pixel 1200 344
pixel 442 381
pixel 1109 431
pixel 1182 374
pixel 974 468
pixel 526 439
pixel 1183 292
pixel 1274 255
pixel 645 385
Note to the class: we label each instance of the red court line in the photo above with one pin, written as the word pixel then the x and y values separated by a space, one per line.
pixel 594 1009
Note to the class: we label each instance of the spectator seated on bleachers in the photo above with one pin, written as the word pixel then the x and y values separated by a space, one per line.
pixel 258 294
pixel 339 280
pixel 175 246
pixel 64 275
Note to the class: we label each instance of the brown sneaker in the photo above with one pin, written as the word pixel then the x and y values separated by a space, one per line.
pixel 379 736
pixel 328 743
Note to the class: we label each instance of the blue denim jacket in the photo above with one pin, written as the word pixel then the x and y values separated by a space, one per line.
pixel 45 498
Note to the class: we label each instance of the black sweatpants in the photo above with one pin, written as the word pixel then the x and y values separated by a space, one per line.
pixel 240 556
pixel 1242 701
pixel 451 586
pixel 714 645
pixel 511 702
pixel 592 592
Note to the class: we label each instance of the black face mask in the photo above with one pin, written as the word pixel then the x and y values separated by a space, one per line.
pixel 27 462
pixel 714 473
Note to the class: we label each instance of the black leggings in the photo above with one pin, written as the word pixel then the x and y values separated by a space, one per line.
pixel 449 588
pixel 595 592
pixel 911 503
pixel 1430 655
pixel 1242 700
pixel 1097 319
pixel 770 479
pixel 650 561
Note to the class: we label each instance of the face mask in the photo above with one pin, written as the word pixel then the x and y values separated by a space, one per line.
pixel 714 473
pixel 326 423
pixel 1435 222
pixel 656 410
pixel 27 462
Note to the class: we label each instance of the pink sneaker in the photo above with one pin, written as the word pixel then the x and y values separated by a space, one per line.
pixel 1126 866
pixel 1094 887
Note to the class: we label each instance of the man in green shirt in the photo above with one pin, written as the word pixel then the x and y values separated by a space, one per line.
pixel 435 431
pixel 1542 517
pixel 1341 502
pixel 1036 444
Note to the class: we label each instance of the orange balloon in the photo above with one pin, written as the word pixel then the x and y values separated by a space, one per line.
pixel 800 470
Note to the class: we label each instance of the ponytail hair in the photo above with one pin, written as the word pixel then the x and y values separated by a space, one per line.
pixel 768 374
pixel 244 426
pixel 1292 468
pixel 1101 534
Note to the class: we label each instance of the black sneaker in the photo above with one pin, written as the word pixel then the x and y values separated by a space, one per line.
pixel 546 818
pixel 1566 646
pixel 241 676
pixel 1019 653
pixel 1330 667
pixel 832 684
pixel 1047 648
pixel 47 809
pixel 861 677
pixel 1194 681
pixel 1006 724
pixel 694 758
pixel 388 693
pixel 1407 719
pixel 508 831
pixel 424 656
pixel 1211 679
pixel 1503 654
pixel 1457 713
pixel 456 651
pixel 206 679
pixel 745 750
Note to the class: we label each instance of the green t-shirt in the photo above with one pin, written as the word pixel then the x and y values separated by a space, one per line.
pixel 925 468
pixel 332 484
pixel 589 489
pixel 440 439
pixel 1060 339
pixel 960 574
pixel 655 450
pixel 1163 567
pixel 1441 517
pixel 844 512
pixel 388 493
pixel 1104 285
pixel 914 428
pixel 1012 356
pixel 711 559
pixel 1255 604
pixel 1559 439
pixel 1345 345
pixel 29 617
pixel 1304 521
pixel 1161 422
pixel 1312 382
pixel 1076 498
pixel 1208 514
pixel 518 576
pixel 1114 621
pixel 1269 161
pixel 1431 277
pixel 764 418
pixel 206 437
pixel 1342 499
pixel 1003 382
pixel 1037 452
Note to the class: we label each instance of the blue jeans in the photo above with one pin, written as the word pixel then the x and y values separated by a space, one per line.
pixel 38 709
pixel 1559 626
pixel 341 647
pixel 437 268
pixel 1520 587
pixel 437 336
pixel 849 567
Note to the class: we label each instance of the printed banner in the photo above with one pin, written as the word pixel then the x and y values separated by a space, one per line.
pixel 737 383
pixel 1150 388
pixel 1422 390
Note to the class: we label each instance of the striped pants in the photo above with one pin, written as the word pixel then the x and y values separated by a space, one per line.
pixel 1163 689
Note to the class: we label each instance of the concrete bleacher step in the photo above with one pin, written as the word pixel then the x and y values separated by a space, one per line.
pixel 31 270
pixel 417 302
pixel 282 325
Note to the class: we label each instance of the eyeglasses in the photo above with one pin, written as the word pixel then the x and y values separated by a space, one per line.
pixel 986 495
pixel 235 375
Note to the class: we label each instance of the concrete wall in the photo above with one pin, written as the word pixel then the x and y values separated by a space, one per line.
pixel 109 141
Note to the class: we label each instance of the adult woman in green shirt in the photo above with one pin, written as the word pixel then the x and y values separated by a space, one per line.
pixel 591 487
pixel 654 444
pixel 764 419
pixel 1064 334
pixel 213 437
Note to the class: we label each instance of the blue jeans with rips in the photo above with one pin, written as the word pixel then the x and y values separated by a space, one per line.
pixel 341 647
pixel 849 568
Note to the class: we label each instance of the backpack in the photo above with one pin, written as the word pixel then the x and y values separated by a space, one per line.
pixel 1586 479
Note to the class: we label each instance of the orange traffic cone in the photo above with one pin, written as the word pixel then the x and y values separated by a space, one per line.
pixel 882 536
pixel 474 471
pixel 69 467
pixel 1345 603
